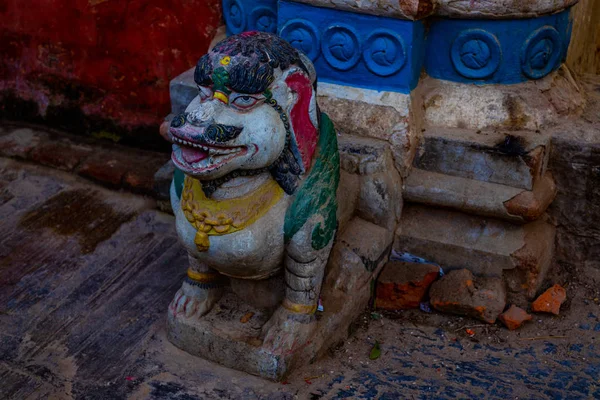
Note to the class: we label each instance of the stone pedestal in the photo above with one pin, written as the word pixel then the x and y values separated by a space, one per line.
pixel 457 122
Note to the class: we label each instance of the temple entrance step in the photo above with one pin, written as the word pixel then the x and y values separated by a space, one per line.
pixel 512 158
pixel 479 197
pixel 486 246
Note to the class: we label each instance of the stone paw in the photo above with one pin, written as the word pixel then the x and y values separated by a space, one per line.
pixel 286 333
pixel 191 305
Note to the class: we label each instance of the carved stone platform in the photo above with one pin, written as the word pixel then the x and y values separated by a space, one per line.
pixel 230 334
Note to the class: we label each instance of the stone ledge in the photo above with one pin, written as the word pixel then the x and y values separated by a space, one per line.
pixel 108 164
pixel 403 9
pixel 503 9
pixel 480 198
pixel 512 158
pixel 418 9
pixel 485 246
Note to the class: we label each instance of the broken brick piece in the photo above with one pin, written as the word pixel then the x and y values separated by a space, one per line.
pixel 514 317
pixel 459 292
pixel 550 301
pixel 404 285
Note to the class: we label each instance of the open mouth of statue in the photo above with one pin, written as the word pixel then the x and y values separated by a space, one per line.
pixel 201 157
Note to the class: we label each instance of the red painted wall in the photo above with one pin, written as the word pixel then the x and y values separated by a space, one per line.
pixel 101 64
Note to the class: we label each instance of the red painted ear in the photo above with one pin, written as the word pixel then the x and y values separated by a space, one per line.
pixel 305 132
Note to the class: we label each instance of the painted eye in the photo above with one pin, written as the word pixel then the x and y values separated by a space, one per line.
pixel 244 102
pixel 205 92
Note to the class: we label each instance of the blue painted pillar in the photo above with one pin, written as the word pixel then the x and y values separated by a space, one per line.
pixel 250 15
pixel 354 49
pixel 385 53
pixel 505 51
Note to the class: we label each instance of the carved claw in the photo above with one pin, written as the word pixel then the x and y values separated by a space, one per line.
pixel 287 332
pixel 193 301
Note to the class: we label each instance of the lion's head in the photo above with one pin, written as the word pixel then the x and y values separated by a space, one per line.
pixel 256 111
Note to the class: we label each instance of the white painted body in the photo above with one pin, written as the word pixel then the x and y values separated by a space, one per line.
pixel 255 252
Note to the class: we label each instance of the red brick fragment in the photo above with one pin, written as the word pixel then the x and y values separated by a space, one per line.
pixel 403 285
pixel 514 317
pixel 550 301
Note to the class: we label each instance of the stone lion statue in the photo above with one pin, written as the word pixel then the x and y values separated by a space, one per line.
pixel 254 193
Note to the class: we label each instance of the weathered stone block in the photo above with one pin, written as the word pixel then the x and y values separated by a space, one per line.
pixel 183 90
pixel 459 292
pixel 347 198
pixel 20 142
pixel 516 159
pixel 404 285
pixel 363 156
pixel 364 112
pixel 368 241
pixel 575 164
pixel 162 181
pixel 524 106
pixel 478 197
pixel 485 246
pixel 499 9
pixel 406 9
pixel 60 154
pixel 388 116
pixel 380 198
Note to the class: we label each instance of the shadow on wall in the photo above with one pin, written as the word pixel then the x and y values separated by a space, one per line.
pixel 99 67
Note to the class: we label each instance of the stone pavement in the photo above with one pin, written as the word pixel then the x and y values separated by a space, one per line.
pixel 86 275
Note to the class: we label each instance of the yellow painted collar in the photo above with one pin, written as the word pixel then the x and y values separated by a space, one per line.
pixel 221 217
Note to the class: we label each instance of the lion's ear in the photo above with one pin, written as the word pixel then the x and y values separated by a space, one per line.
pixel 308 67
pixel 305 133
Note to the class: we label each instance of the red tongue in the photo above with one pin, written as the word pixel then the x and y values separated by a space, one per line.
pixel 192 155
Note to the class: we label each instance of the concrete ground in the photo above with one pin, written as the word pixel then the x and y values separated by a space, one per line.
pixel 86 275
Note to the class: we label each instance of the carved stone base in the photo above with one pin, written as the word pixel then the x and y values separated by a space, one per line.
pixel 230 334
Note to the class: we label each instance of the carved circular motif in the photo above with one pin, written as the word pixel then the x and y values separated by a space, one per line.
pixel 384 53
pixel 303 36
pixel 235 16
pixel 541 52
pixel 264 19
pixel 476 54
pixel 341 47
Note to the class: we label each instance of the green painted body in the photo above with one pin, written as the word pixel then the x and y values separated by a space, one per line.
pixel 317 195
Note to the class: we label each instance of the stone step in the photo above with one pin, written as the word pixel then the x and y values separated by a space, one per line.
pixel 480 198
pixel 512 158
pixel 486 246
